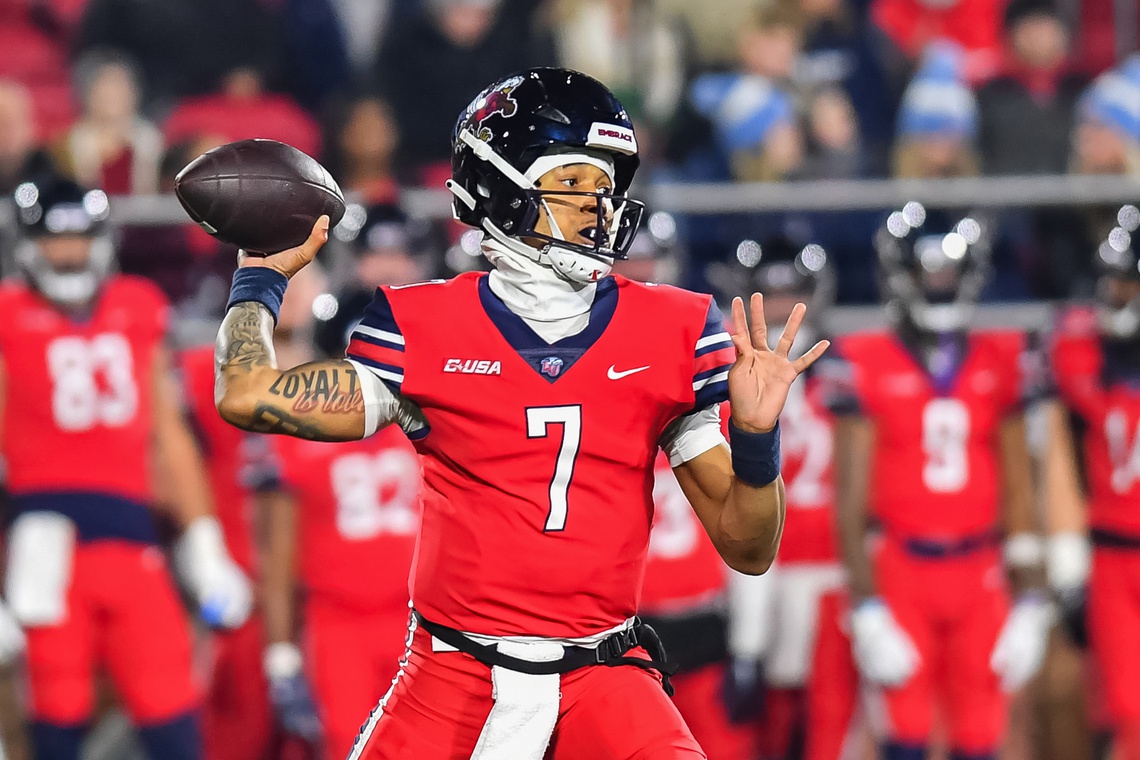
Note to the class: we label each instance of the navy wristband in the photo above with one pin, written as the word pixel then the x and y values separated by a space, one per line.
pixel 755 456
pixel 261 284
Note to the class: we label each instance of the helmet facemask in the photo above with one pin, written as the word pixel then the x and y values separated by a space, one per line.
pixel 932 279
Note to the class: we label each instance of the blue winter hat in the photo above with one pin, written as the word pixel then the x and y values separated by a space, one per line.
pixel 937 101
pixel 1114 99
pixel 743 108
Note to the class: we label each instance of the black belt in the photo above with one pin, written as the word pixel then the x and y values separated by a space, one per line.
pixel 1108 539
pixel 610 652
pixel 693 641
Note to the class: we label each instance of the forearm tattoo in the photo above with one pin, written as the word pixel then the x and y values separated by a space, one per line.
pixel 245 344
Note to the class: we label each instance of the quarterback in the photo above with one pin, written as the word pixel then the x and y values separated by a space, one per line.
pixel 537 397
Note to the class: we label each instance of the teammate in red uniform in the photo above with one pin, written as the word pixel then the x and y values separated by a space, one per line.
pixel 537 396
pixel 86 395
pixel 236 718
pixel 1096 363
pixel 352 513
pixel 931 442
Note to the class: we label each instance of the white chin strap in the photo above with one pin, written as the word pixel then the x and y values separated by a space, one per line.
pixel 947 317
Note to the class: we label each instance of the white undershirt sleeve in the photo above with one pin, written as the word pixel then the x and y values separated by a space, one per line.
pixel 693 434
pixel 383 406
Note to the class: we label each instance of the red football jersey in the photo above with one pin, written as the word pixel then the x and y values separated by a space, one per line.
pixel 357 515
pixel 684 570
pixel 807 432
pixel 538 458
pixel 1106 398
pixel 936 464
pixel 227 453
pixel 78 401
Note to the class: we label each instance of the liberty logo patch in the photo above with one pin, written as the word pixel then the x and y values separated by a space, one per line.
pixel 551 366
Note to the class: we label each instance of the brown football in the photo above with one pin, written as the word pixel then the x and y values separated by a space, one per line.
pixel 261 195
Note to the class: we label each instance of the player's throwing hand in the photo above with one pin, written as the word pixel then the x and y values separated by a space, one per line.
pixel 758 382
pixel 292 260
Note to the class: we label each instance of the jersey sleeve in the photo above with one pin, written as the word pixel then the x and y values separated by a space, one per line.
pixel 377 343
pixel 834 375
pixel 713 355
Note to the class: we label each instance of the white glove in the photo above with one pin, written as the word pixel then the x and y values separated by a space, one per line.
pixel 883 651
pixel 220 587
pixel 1068 557
pixel 1020 647
pixel 12 641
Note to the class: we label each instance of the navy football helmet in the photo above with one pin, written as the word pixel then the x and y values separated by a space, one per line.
pixel 52 207
pixel 529 115
pixel 932 267
pixel 1118 259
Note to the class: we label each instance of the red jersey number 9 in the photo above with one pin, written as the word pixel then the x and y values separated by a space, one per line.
pixel 93 382
pixel 945 433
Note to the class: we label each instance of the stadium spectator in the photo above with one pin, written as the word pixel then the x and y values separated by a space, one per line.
pixel 1102 39
pixel 362 23
pixel 1026 112
pixel 751 110
pixel 362 150
pixel 433 62
pixel 20 157
pixel 842 50
pixel 112 146
pixel 185 46
pixel 629 45
pixel 241 110
pixel 911 25
pixel 1107 139
pixel 315 64
pixel 938 119
pixel 834 148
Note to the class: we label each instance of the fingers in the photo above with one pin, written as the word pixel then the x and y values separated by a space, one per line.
pixel 740 328
pixel 317 237
pixel 759 325
pixel 790 329
pixel 808 359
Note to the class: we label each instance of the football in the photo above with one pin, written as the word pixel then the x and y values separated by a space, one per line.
pixel 261 195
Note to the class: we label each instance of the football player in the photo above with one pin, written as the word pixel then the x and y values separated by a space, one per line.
pixel 236 717
pixel 537 396
pixel 788 272
pixel 342 541
pixel 89 417
pixel 1096 365
pixel 931 442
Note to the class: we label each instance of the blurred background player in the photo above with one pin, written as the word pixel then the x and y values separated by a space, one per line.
pixel 931 443
pixel 92 426
pixel 236 717
pixel 788 272
pixel 1096 363
pixel 685 593
pixel 342 537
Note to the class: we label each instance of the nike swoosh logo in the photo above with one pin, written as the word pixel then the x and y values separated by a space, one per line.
pixel 613 374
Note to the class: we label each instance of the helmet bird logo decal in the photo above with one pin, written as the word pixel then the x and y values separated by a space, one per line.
pixel 496 101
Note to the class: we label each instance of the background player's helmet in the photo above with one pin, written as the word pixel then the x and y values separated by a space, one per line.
pixel 932 267
pixel 780 264
pixel 1118 258
pixel 521 118
pixel 53 207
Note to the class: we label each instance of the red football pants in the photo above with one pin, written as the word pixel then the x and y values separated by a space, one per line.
pixel 353 657
pixel 123 614
pixel 440 701
pixel 1113 620
pixel 953 610
pixel 698 699
pixel 833 685
pixel 237 722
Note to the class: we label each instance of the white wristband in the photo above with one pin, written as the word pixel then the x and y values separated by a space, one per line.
pixel 1023 550
pixel 282 659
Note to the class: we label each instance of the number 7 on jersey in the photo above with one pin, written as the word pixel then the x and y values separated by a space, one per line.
pixel 538 422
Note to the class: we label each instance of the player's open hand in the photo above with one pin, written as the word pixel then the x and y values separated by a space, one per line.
pixel 293 260
pixel 759 381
